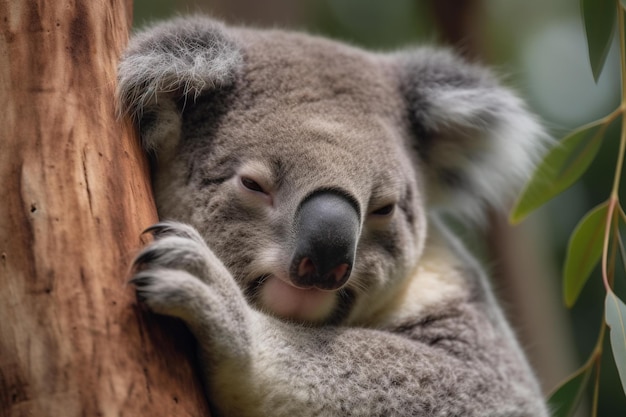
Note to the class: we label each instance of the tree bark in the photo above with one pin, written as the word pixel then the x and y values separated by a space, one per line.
pixel 76 196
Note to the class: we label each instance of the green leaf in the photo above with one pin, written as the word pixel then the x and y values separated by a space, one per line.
pixel 564 401
pixel 599 19
pixel 615 311
pixel 584 250
pixel 623 3
pixel 560 168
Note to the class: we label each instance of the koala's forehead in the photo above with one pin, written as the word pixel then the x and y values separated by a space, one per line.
pixel 299 71
pixel 306 101
pixel 307 149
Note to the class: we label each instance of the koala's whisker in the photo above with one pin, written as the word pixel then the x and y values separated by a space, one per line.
pixel 357 283
pixel 252 290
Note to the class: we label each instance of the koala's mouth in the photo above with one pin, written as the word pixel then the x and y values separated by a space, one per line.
pixel 287 301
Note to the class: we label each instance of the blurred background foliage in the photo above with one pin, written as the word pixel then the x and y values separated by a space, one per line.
pixel 539 47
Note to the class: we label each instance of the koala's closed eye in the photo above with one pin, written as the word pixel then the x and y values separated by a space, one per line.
pixel 255 180
pixel 252 185
pixel 385 210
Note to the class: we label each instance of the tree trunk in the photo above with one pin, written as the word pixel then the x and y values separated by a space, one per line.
pixel 76 196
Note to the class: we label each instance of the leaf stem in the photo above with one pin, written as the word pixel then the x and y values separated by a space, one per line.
pixel 597 350
pixel 622 214
pixel 613 248
pixel 622 250
pixel 613 215
pixel 614 198
pixel 613 201
pixel 609 118
pixel 596 389
pixel 596 353
pixel 622 146
pixel 622 44
pixel 595 361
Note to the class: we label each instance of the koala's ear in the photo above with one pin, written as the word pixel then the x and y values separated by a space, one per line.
pixel 169 64
pixel 476 139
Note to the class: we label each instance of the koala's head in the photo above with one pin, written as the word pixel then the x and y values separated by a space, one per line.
pixel 309 166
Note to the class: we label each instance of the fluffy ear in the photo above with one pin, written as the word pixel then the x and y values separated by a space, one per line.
pixel 476 139
pixel 168 64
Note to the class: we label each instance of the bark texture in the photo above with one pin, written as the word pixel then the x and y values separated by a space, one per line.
pixel 75 197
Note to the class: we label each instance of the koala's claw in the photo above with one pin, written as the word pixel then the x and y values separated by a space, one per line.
pixel 179 247
pixel 159 229
pixel 170 228
pixel 141 279
pixel 173 251
pixel 145 257
pixel 178 275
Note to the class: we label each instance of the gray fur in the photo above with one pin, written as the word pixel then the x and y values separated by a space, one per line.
pixel 415 331
pixel 477 137
pixel 180 58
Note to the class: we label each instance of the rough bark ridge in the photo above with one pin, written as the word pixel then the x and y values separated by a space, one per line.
pixel 75 198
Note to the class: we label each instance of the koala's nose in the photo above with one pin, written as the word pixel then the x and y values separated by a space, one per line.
pixel 327 234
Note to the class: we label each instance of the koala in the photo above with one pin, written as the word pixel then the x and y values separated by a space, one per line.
pixel 301 184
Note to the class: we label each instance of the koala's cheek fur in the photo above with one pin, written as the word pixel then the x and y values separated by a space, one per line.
pixel 246 128
pixel 387 262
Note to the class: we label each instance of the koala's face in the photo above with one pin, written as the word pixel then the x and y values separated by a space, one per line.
pixel 304 188
pixel 308 166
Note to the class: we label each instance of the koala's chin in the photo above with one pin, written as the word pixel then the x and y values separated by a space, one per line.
pixel 289 302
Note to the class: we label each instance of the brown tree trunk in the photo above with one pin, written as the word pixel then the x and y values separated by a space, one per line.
pixel 75 197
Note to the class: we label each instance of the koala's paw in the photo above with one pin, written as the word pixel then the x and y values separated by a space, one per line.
pixel 170 292
pixel 177 246
pixel 178 275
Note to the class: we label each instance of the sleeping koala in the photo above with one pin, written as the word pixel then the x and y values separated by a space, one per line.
pixel 301 180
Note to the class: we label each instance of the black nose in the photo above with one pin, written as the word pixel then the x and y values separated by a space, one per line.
pixel 327 234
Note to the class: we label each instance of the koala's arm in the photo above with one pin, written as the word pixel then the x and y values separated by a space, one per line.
pixel 451 361
pixel 448 365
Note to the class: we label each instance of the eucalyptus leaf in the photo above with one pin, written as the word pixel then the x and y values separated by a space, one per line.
pixel 560 168
pixel 599 19
pixel 564 401
pixel 615 311
pixel 584 250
